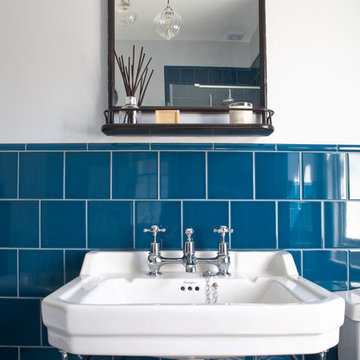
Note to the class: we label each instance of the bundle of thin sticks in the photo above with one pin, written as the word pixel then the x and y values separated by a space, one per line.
pixel 135 78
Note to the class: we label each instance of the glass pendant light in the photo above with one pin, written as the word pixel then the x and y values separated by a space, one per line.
pixel 126 13
pixel 168 23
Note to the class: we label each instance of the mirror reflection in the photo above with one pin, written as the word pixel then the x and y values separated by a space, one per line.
pixel 211 57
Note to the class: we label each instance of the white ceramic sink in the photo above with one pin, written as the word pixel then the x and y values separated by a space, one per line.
pixel 263 308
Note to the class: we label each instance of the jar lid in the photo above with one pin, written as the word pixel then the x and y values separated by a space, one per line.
pixel 241 105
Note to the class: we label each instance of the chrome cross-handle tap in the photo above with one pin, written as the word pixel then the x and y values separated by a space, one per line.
pixel 189 258
pixel 223 250
pixel 154 246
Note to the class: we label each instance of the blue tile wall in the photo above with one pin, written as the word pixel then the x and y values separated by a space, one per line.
pixel 59 201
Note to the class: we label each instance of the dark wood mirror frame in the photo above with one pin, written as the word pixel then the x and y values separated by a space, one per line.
pixel 263 129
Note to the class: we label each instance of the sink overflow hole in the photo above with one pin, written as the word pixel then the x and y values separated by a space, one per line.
pixel 190 288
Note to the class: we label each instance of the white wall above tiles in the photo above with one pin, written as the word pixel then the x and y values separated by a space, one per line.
pixel 54 79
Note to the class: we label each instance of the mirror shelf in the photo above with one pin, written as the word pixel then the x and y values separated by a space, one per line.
pixel 263 127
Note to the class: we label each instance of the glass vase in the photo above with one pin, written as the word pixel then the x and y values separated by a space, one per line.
pixel 130 113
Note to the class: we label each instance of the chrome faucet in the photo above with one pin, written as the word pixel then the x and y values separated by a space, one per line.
pixel 155 260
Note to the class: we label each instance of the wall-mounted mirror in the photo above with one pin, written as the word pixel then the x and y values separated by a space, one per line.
pixel 217 57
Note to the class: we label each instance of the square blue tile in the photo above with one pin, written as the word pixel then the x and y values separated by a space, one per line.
pixel 342 226
pixel 39 354
pixel 296 254
pixel 135 175
pixel 354 175
pixel 87 175
pixel 41 175
pixel 230 175
pixel 187 75
pixel 19 224
pixel 40 272
pixel 277 176
pixel 166 214
pixel 215 75
pixel 201 75
pixel 204 217
pixel 172 74
pixel 73 263
pixel 327 268
pixel 9 353
pixel 8 175
pixel 182 175
pixel 20 322
pixel 63 224
pixel 299 225
pixel 110 224
pixel 323 176
pixel 253 224
pixel 354 269
pixel 8 272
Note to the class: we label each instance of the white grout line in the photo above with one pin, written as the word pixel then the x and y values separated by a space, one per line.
pixel 322 212
pixel 277 224
pixel 111 175
pixel 86 224
pixel 158 175
pixel 206 176
pixel 134 224
pixel 348 269
pixel 64 171
pixel 17 273
pixel 253 175
pixel 40 207
pixel 301 175
pixel 18 177
pixel 182 223
pixel 229 216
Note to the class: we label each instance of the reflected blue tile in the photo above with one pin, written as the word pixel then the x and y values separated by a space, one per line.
pixel 354 269
pixel 354 176
pixel 305 147
pixel 204 217
pixel 53 146
pixel 230 175
pixel 296 254
pixel 326 268
pixel 299 225
pixel 166 214
pixel 324 176
pixel 342 226
pixel 349 147
pixel 8 271
pixel 9 353
pixel 135 175
pixel 246 147
pixel 187 75
pixel 40 272
pixel 63 224
pixel 277 176
pixel 87 175
pixel 110 225
pixel 201 76
pixel 39 354
pixel 182 175
pixel 19 224
pixel 215 75
pixel 8 175
pixel 331 355
pixel 172 74
pixel 119 146
pixel 254 225
pixel 14 315
pixel 12 147
pixel 73 262
pixel 180 146
pixel 41 175
pixel 229 76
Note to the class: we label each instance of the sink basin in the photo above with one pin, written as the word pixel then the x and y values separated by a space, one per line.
pixel 263 308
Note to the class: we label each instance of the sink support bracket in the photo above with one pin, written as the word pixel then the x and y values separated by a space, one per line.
pixel 322 355
pixel 64 355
